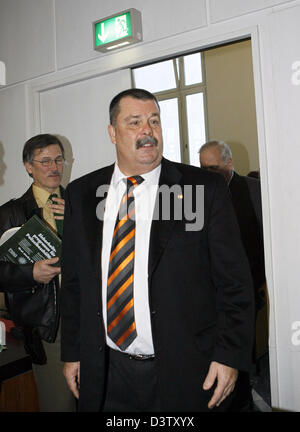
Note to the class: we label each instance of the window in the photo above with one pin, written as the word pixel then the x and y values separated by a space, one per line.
pixel 179 85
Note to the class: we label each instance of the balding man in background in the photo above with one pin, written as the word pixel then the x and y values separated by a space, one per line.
pixel 246 198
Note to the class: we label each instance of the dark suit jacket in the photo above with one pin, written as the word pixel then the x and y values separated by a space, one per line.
pixel 200 293
pixel 246 199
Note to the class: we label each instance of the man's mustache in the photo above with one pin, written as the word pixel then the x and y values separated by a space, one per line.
pixel 147 140
pixel 55 173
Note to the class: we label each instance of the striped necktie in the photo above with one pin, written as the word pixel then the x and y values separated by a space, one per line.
pixel 59 222
pixel 120 306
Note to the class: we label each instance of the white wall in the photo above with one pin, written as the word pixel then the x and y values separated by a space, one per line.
pixel 229 83
pixel 12 133
pixel 27 38
pixel 47 46
pixel 78 114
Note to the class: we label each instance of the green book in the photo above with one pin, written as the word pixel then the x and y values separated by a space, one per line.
pixel 34 241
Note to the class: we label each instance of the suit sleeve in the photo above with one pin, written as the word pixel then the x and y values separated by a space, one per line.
pixel 13 277
pixel 232 280
pixel 70 292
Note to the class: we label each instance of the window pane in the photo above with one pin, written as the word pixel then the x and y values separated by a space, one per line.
pixel 156 77
pixel 192 69
pixel 170 126
pixel 196 126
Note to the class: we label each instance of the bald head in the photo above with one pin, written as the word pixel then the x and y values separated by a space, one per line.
pixel 216 156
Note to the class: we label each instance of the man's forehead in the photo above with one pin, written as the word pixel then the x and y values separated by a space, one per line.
pixel 135 106
pixel 211 154
pixel 47 149
pixel 139 115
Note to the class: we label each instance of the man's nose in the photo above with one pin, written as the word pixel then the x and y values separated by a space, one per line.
pixel 147 129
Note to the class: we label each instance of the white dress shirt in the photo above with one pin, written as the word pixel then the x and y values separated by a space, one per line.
pixel 144 195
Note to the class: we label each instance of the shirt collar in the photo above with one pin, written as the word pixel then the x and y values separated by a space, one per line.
pixel 150 178
pixel 41 195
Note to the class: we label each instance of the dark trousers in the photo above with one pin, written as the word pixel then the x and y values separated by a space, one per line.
pixel 131 384
pixel 242 400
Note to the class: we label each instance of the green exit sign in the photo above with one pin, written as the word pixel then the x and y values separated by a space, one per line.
pixel 118 30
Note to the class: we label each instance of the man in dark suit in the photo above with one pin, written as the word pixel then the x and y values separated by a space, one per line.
pixel 246 198
pixel 179 275
pixel 43 158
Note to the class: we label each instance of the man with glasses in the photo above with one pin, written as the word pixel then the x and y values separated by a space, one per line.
pixel 43 158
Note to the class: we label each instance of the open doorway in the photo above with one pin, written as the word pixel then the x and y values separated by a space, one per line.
pixel 203 96
pixel 209 95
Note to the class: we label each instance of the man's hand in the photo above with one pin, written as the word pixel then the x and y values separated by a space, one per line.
pixel 58 208
pixel 71 372
pixel 226 378
pixel 44 271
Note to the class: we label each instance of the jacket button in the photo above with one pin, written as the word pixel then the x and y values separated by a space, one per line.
pixel 153 312
pixel 98 313
pixel 100 348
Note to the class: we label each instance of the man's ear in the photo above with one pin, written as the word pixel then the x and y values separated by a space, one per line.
pixel 112 133
pixel 28 168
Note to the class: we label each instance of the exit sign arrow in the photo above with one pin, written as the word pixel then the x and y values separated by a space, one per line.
pixel 102 36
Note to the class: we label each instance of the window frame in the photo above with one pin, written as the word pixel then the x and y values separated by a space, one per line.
pixel 180 92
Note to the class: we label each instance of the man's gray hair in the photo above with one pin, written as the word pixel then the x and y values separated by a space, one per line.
pixel 223 148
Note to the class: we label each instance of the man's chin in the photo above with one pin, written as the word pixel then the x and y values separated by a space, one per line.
pixel 54 184
pixel 150 159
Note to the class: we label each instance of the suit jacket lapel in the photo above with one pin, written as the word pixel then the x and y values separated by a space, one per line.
pixel 30 206
pixel 162 229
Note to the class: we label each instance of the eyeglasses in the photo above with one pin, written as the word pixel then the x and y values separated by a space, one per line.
pixel 47 162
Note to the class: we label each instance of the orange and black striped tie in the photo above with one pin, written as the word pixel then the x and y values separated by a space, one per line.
pixel 120 306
